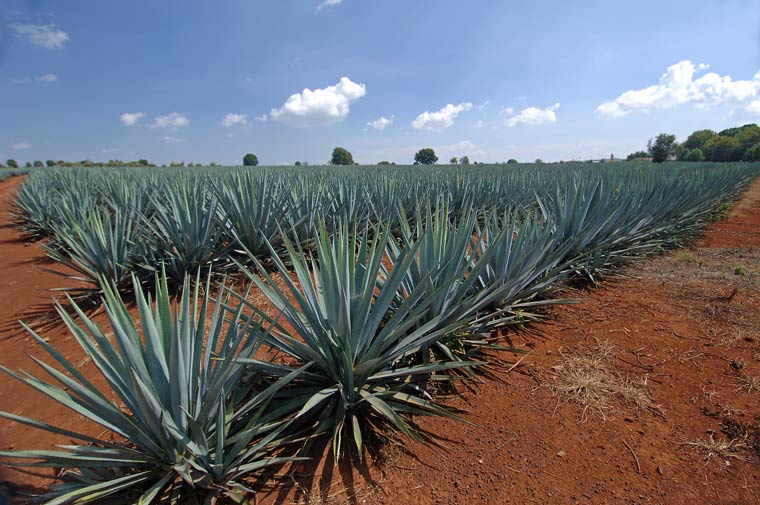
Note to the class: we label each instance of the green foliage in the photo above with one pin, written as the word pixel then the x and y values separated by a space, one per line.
pixel 638 155
pixel 250 160
pixel 454 161
pixel 28 164
pixel 12 163
pixel 385 163
pixel 662 147
pixel 753 153
pixel 50 163
pixel 38 164
pixel 341 156
pixel 697 139
pixel 512 161
pixel 298 163
pixel 425 156
pixel 747 135
pixel 723 148
pixel 695 154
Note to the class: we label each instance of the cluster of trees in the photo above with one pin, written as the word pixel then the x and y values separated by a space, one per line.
pixel 11 163
pixel 733 144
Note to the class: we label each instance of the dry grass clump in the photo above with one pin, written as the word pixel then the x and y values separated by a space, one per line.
pixel 591 379
pixel 720 449
pixel 748 383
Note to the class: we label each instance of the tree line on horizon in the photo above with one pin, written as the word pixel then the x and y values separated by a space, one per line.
pixel 729 145
pixel 732 144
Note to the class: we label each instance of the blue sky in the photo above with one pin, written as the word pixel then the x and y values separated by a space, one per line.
pixel 209 81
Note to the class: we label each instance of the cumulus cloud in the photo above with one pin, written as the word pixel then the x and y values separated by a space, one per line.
pixel 174 121
pixel 678 85
pixel 47 36
pixel 754 107
pixel 173 140
pixel 380 123
pixel 320 106
pixel 231 120
pixel 329 3
pixel 262 118
pixel 22 145
pixel 533 116
pixel 444 118
pixel 131 118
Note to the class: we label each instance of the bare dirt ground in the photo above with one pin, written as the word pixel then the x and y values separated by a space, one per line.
pixel 647 391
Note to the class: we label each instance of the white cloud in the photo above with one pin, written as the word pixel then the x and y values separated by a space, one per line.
pixel 678 86
pixel 22 145
pixel 174 121
pixel 754 107
pixel 380 123
pixel 533 116
pixel 484 105
pixel 42 78
pixel 262 118
pixel 231 120
pixel 509 111
pixel 173 140
pixel 131 118
pixel 320 106
pixel 442 119
pixel 47 36
pixel 461 148
pixel 328 3
pixel 108 150
pixel 479 124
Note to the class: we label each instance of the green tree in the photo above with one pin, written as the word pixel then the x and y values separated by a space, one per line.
pixel 512 161
pixel 383 162
pixel 465 160
pixel 697 139
pixel 298 163
pixel 747 135
pixel 695 154
pixel 341 156
pixel 753 153
pixel 454 160
pixel 425 156
pixel 38 164
pixel 12 163
pixel 50 163
pixel 637 156
pixel 28 164
pixel 250 160
pixel 723 148
pixel 662 147
pixel 539 161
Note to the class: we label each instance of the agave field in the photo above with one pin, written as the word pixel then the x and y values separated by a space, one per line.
pixel 10 172
pixel 381 284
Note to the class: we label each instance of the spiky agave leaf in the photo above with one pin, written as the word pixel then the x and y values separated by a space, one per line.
pixel 187 229
pixel 100 247
pixel 362 342
pixel 188 423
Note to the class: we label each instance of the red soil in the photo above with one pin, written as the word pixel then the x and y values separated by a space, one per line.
pixel 686 330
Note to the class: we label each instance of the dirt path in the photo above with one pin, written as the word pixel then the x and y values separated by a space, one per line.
pixel 26 295
pixel 648 391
